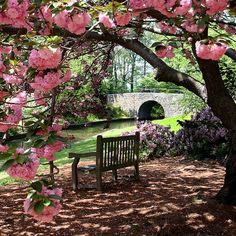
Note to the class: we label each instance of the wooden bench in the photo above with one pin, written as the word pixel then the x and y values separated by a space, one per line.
pixel 111 154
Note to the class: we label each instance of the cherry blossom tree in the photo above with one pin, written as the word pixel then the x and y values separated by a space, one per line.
pixel 39 36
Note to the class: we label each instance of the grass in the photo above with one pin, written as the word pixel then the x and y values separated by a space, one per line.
pixel 89 145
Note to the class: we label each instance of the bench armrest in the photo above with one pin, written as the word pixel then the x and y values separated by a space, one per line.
pixel 82 155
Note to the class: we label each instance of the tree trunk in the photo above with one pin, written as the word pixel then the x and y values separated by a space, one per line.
pixel 227 194
pixel 224 107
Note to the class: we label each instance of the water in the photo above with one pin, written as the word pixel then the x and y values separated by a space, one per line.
pixel 83 133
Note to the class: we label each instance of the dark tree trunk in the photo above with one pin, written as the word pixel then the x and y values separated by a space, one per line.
pixel 223 107
pixel 227 194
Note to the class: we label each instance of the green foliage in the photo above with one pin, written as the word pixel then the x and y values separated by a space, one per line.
pixel 192 103
pixel 228 71
pixel 148 83
pixel 157 112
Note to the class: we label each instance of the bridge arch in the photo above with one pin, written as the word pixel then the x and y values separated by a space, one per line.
pixel 147 108
pixel 131 102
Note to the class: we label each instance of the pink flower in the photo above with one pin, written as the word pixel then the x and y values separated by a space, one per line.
pixel 25 171
pixel 167 28
pixel 18 101
pixel 75 24
pixel 213 50
pixel 185 6
pixel 39 98
pixel 47 82
pixel 15 14
pixel 48 211
pixel 3 148
pixel 214 6
pixel 106 20
pixel 66 76
pixel 45 58
pixel 191 26
pixel 165 51
pixel 48 151
pixel 12 79
pixel 140 4
pixel 4 126
pixel 123 19
pixel 6 50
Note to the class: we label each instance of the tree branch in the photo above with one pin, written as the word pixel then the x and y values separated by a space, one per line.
pixel 164 72
pixel 231 53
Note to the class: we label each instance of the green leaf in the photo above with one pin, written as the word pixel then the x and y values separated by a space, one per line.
pixel 5 155
pixel 21 159
pixel 31 194
pixel 38 207
pixel 47 202
pixel 7 164
pixel 39 143
pixel 37 186
pixel 51 139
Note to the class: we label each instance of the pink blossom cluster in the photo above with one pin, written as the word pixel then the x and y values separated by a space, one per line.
pixel 48 151
pixel 75 24
pixel 45 14
pixel 167 28
pixel 48 211
pixel 55 127
pixel 15 14
pixel 213 50
pixel 214 6
pixel 44 58
pixel 106 20
pixel 16 104
pixel 165 52
pixel 172 8
pixel 25 171
pixel 44 83
pixel 140 4
pixel 192 27
pixel 122 19
pixel 12 79
pixel 3 148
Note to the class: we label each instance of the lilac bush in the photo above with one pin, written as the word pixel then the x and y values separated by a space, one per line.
pixel 202 137
pixel 155 140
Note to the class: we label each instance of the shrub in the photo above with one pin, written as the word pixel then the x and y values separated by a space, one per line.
pixel 202 137
pixel 155 140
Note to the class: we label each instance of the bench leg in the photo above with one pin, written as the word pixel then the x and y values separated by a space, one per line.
pixel 99 180
pixel 136 173
pixel 75 173
pixel 114 175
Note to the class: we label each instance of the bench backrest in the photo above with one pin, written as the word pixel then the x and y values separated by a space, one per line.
pixel 118 152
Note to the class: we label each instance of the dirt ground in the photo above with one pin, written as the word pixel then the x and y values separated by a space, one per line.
pixel 173 198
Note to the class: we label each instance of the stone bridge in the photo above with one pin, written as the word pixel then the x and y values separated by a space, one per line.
pixel 139 105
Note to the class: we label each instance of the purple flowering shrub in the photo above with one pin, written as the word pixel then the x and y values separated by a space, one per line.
pixel 202 137
pixel 155 140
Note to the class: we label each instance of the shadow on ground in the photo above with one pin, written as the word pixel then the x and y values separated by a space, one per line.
pixel 173 198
